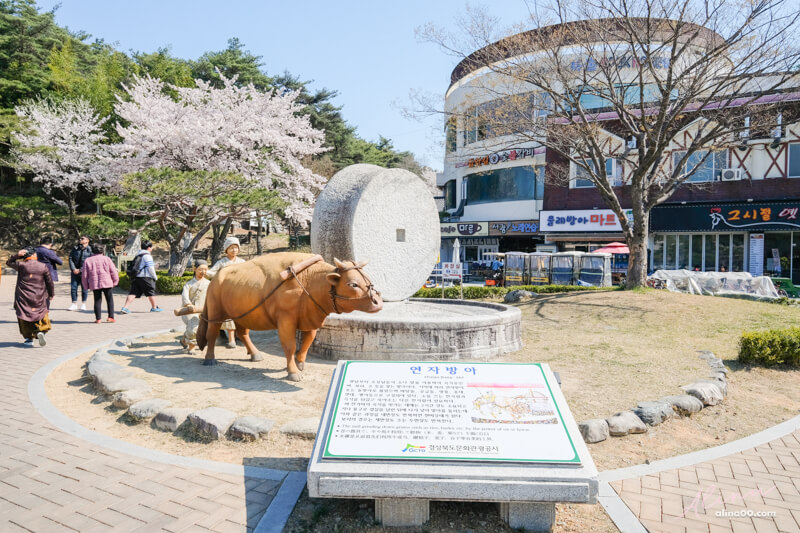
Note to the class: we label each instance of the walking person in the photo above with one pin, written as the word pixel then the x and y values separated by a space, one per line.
pixel 47 256
pixel 34 289
pixel 99 274
pixel 77 256
pixel 143 282
pixel 231 247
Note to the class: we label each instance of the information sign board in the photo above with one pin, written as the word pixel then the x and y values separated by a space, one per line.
pixel 451 270
pixel 448 411
pixel 757 254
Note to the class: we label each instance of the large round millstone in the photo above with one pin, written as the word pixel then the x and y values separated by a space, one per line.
pixel 385 216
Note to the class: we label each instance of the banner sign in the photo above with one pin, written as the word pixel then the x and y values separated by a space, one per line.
pixel 757 254
pixel 448 411
pixel 744 216
pixel 514 227
pixel 581 220
pixel 464 229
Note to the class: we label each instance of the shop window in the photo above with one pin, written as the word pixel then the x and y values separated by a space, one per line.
pixel 450 135
pixel 683 252
pixel 669 252
pixel 794 160
pixel 658 252
pixel 450 194
pixel 504 185
pixel 724 253
pixel 737 253
pixel 613 171
pixel 539 192
pixel 702 166
pixel 710 264
pixel 697 253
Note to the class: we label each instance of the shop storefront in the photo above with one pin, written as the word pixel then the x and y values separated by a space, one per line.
pixel 582 230
pixel 473 238
pixel 516 235
pixel 762 238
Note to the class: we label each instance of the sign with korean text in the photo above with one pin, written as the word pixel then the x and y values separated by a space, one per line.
pixel 514 227
pixel 756 254
pixel 464 229
pixel 452 270
pixel 744 216
pixel 448 411
pixel 581 220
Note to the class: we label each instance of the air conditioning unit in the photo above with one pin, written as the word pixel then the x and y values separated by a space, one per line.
pixel 631 144
pixel 730 174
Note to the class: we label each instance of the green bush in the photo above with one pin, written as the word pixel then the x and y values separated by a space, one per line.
pixel 473 292
pixel 164 284
pixel 771 347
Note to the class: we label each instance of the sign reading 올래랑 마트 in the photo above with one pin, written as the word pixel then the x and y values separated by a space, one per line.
pixel 448 411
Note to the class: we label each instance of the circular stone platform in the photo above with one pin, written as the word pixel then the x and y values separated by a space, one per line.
pixel 421 329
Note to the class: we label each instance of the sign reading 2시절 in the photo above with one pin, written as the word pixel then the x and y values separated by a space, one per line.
pixel 448 411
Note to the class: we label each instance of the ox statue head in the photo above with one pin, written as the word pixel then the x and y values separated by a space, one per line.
pixel 352 290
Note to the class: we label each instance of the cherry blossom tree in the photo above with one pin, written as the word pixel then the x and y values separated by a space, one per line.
pixel 63 148
pixel 259 136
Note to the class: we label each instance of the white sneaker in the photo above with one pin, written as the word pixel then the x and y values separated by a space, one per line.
pixel 83 307
pixel 73 307
pixel 42 340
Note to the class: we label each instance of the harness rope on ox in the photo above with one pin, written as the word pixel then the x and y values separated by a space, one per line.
pixel 291 273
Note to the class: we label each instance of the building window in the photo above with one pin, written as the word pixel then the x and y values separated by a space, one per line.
pixel 794 160
pixel 701 170
pixel 509 115
pixel 613 171
pixel 450 195
pixel 504 185
pixel 539 192
pixel 450 135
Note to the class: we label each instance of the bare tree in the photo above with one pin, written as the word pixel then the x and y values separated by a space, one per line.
pixel 659 86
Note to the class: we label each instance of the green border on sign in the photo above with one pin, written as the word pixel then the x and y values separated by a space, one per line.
pixel 327 453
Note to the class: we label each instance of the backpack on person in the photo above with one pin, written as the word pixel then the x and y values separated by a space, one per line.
pixel 133 267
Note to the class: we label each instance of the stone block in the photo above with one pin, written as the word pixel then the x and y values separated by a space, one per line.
pixel 250 428
pixel 721 384
pixel 517 296
pixel 594 430
pixel 126 398
pixel 302 427
pixel 212 422
pixel 654 413
pixel 528 516
pixel 147 409
pixel 684 404
pixel 100 365
pixel 171 418
pixel 625 422
pixel 402 512
pixel 708 393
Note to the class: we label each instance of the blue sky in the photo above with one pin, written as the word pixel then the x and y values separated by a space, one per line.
pixel 365 50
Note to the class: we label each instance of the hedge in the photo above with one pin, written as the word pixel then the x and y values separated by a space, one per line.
pixel 164 284
pixel 473 292
pixel 771 347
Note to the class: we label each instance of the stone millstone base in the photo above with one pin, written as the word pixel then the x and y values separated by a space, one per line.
pixel 421 329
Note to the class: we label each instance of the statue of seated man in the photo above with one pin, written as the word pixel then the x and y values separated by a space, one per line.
pixel 193 298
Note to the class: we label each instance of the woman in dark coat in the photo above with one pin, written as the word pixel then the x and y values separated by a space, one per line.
pixel 34 290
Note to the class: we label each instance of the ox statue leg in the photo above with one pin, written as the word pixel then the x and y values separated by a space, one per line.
pixel 211 338
pixel 287 334
pixel 244 335
pixel 307 338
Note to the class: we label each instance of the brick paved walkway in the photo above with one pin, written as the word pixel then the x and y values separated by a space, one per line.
pixel 51 481
pixel 764 478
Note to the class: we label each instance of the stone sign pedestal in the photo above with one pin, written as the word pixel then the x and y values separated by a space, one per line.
pixel 405 433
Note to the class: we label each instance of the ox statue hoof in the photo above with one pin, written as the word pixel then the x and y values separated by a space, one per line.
pixel 301 366
pixel 294 376
pixel 209 362
pixel 256 356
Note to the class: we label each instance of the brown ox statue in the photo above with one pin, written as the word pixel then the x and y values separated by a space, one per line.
pixel 256 297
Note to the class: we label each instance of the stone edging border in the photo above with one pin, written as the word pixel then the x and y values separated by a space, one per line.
pixel 279 510
pixel 698 395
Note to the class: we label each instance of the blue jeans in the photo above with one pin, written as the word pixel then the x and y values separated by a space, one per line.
pixel 74 283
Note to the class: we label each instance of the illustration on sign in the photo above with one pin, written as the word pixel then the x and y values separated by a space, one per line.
pixel 448 411
pixel 749 217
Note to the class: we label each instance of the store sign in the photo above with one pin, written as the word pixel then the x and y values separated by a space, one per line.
pixel 749 216
pixel 447 411
pixel 516 227
pixel 581 220
pixel 756 254
pixel 464 229
pixel 501 157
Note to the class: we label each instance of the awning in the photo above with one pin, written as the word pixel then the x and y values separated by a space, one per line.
pixel 583 237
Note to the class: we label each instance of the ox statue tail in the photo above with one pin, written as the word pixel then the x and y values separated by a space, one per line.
pixel 202 329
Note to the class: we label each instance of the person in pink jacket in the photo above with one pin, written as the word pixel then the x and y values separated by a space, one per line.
pixel 100 275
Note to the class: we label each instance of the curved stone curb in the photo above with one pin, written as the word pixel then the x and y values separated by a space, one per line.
pixel 41 403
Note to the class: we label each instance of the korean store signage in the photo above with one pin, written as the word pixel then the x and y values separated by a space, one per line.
pixel 514 227
pixel 591 64
pixel 581 220
pixel 464 229
pixel 739 216
pixel 446 411
pixel 501 157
